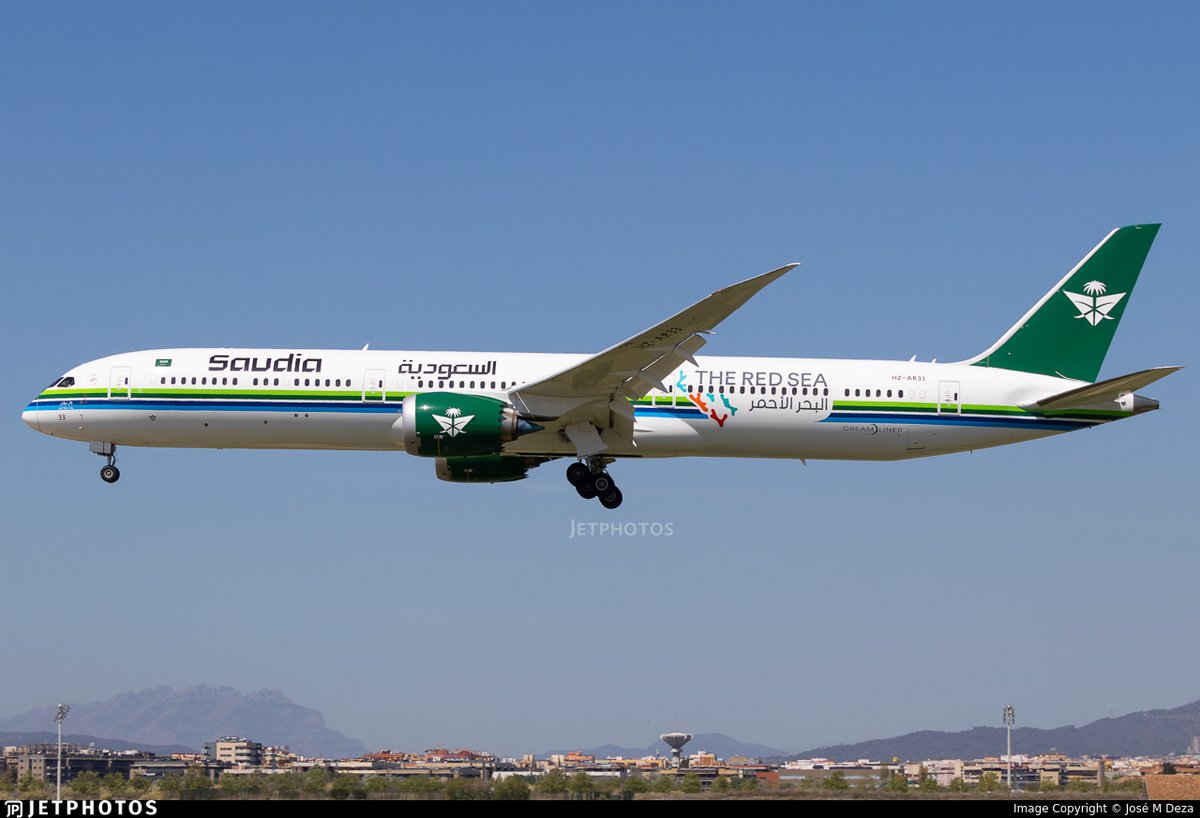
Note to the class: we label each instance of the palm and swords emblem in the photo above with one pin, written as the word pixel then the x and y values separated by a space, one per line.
pixel 1095 306
pixel 453 422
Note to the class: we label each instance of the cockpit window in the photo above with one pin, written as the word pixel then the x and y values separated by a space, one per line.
pixel 61 383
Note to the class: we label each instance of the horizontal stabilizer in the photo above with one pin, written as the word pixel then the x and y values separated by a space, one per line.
pixel 1111 390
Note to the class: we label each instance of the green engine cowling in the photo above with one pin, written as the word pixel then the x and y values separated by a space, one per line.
pixel 492 468
pixel 450 424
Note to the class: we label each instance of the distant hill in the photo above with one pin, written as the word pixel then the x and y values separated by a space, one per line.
pixel 47 737
pixel 165 716
pixel 1150 732
pixel 719 744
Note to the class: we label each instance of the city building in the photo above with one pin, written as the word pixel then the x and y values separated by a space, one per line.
pixel 235 751
pixel 43 764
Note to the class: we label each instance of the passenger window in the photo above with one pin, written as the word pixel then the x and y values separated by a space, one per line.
pixel 847 393
pixel 900 394
pixel 164 379
pixel 297 381
pixel 193 381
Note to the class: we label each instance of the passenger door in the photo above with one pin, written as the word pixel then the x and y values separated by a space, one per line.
pixel 373 386
pixel 949 401
pixel 118 382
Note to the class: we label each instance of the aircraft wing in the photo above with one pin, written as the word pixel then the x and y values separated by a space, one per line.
pixel 1111 389
pixel 638 364
pixel 590 400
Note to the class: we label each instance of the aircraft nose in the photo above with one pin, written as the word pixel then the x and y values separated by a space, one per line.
pixel 31 420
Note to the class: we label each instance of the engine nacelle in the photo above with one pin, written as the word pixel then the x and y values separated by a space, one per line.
pixel 450 424
pixel 492 468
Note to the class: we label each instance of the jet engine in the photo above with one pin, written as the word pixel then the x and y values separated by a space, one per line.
pixel 453 425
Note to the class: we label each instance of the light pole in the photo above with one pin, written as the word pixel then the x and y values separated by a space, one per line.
pixel 1010 716
pixel 61 714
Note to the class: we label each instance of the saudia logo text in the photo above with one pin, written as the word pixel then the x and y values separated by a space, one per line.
pixel 1095 306
pixel 454 422
pixel 294 362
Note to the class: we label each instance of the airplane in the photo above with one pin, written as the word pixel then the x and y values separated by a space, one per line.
pixel 490 417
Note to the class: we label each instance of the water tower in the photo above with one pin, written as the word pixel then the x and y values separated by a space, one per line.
pixel 676 741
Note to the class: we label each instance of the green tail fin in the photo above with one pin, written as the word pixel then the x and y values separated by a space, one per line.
pixel 1068 332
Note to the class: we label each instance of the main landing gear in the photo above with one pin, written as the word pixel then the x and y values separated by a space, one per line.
pixel 591 480
pixel 109 472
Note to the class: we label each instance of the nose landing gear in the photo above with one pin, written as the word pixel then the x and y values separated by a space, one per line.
pixel 590 479
pixel 109 472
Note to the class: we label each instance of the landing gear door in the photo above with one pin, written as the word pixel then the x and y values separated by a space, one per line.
pixel 949 401
pixel 373 386
pixel 118 382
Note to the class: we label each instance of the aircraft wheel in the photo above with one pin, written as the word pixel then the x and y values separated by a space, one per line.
pixel 110 474
pixel 586 490
pixel 577 474
pixel 612 499
pixel 603 483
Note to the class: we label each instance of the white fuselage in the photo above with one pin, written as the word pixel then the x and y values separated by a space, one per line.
pixel 721 407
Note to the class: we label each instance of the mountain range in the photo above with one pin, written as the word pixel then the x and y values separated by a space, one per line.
pixel 191 717
pixel 163 719
pixel 1146 733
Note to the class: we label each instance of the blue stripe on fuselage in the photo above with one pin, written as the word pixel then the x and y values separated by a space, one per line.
pixel 214 406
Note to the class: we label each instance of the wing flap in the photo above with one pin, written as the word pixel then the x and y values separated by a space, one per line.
pixel 652 376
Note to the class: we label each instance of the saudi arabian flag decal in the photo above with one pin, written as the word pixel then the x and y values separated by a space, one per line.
pixel 162 361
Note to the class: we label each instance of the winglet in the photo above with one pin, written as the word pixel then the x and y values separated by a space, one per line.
pixel 759 281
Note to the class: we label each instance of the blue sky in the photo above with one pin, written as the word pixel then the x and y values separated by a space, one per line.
pixel 555 177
